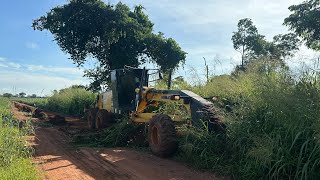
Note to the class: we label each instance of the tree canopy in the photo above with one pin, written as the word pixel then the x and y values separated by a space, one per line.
pixel 305 22
pixel 246 39
pixel 115 35
pixel 253 45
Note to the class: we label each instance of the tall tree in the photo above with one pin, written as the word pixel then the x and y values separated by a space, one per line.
pixel 22 94
pixel 284 45
pixel 245 40
pixel 305 22
pixel 253 45
pixel 115 35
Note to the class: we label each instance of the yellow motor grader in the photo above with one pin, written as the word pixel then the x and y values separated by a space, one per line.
pixel 131 94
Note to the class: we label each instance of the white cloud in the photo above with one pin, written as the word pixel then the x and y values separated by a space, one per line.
pixel 4 63
pixel 32 45
pixel 52 69
pixel 34 83
pixel 35 78
pixel 14 65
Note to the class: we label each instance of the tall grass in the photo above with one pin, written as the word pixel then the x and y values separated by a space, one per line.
pixel 15 162
pixel 70 101
pixel 273 127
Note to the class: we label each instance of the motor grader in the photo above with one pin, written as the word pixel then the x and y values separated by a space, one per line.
pixel 130 94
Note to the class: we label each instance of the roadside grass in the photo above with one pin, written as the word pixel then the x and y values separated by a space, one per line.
pixel 272 127
pixel 69 101
pixel 15 162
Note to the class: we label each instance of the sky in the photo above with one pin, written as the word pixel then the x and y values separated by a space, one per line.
pixel 31 62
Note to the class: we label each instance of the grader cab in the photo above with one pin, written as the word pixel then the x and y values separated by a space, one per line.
pixel 130 94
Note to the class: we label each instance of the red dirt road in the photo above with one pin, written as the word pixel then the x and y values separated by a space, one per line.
pixel 58 159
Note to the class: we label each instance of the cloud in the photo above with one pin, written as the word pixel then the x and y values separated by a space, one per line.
pixel 32 79
pixel 52 69
pixel 32 45
pixel 34 83
pixel 4 63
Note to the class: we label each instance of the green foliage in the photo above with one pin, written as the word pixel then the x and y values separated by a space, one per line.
pixel 246 39
pixel 22 94
pixel 252 45
pixel 115 35
pixel 305 22
pixel 120 134
pixel 36 102
pixel 71 101
pixel 15 162
pixel 273 127
pixel 7 95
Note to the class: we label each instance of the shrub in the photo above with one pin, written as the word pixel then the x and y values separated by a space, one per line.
pixel 273 127
pixel 71 101
pixel 15 162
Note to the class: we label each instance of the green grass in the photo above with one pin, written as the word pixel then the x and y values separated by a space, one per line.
pixel 273 125
pixel 69 101
pixel 15 154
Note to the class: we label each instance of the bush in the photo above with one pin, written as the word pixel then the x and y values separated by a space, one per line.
pixel 15 162
pixel 71 101
pixel 273 127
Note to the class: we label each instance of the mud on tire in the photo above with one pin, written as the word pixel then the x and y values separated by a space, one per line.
pixel 91 118
pixel 162 136
pixel 103 119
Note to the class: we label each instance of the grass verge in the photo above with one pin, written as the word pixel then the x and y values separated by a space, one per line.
pixel 15 161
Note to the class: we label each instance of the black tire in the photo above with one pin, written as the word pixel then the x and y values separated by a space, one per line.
pixel 91 118
pixel 162 136
pixel 104 119
pixel 215 123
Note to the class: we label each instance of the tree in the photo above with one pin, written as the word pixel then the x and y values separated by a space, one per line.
pixel 245 40
pixel 22 94
pixel 7 95
pixel 305 22
pixel 253 46
pixel 33 96
pixel 284 45
pixel 114 35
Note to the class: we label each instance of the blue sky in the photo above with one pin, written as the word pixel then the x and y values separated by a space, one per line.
pixel 30 61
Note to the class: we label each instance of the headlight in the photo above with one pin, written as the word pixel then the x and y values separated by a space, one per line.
pixel 175 97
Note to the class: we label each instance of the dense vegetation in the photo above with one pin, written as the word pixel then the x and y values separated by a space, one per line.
pixel 273 126
pixel 15 162
pixel 69 101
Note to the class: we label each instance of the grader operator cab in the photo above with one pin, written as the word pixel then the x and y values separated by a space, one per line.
pixel 131 94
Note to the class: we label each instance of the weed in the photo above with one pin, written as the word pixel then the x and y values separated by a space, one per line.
pixel 15 162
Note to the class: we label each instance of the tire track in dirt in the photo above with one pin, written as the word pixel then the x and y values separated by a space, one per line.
pixel 58 159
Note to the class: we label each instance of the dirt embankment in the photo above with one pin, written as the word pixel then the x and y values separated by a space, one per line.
pixel 58 159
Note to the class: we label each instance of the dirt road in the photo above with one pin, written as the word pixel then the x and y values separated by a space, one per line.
pixel 58 159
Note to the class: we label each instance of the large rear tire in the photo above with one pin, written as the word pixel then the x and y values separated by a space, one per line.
pixel 162 136
pixel 91 118
pixel 104 119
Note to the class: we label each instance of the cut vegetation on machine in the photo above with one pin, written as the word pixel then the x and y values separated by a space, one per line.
pixel 131 94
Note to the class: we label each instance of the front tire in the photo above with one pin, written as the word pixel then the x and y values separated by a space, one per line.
pixel 104 119
pixel 91 118
pixel 162 136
